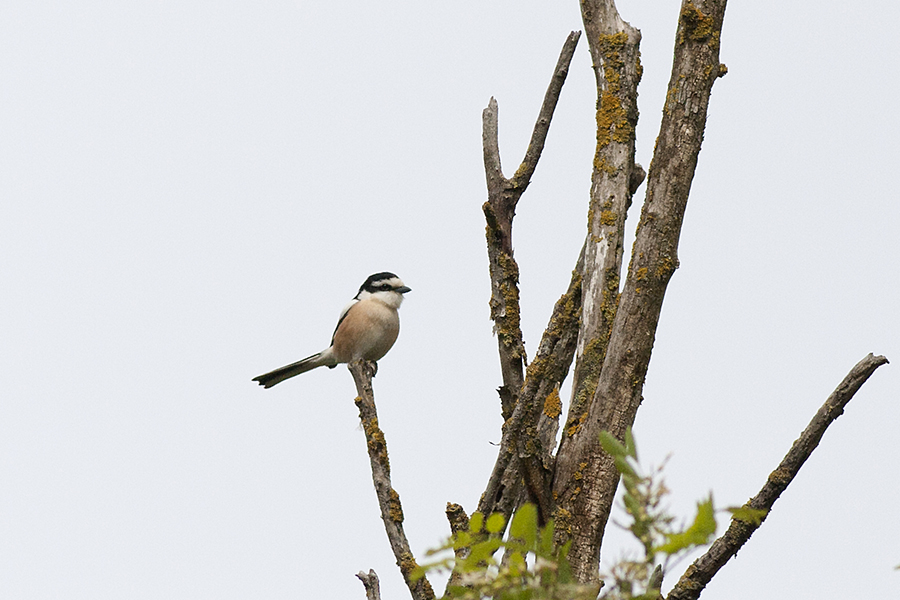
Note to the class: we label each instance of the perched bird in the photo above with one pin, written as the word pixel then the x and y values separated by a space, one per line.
pixel 367 329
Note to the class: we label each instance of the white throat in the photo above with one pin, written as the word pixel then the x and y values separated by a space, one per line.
pixel 391 299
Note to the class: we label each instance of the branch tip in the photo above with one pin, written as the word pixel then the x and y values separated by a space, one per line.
pixel 699 574
pixel 370 582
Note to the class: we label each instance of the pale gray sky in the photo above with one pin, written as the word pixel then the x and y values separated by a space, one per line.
pixel 191 191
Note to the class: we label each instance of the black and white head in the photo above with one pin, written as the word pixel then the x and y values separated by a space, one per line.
pixel 386 287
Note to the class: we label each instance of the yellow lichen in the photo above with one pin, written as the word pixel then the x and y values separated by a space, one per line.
pixel 612 119
pixel 562 520
pixel 553 404
pixel 376 441
pixel 602 166
pixel 578 475
pixel 665 267
pixel 696 26
pixel 408 566
pixel 509 325
pixel 780 477
pixel 575 426
pixel 395 509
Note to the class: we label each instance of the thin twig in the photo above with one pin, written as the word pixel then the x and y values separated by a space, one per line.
pixel 370 582
pixel 542 125
pixel 388 498
pixel 704 568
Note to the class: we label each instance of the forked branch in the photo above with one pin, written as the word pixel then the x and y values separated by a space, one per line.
pixel 585 479
pixel 370 582
pixel 499 210
pixel 505 485
pixel 704 568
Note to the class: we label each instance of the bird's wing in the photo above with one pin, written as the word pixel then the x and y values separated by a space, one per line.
pixel 341 318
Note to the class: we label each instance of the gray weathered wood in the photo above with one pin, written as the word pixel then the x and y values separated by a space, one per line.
pixel 370 582
pixel 585 479
pixel 388 498
pixel 704 568
pixel 504 487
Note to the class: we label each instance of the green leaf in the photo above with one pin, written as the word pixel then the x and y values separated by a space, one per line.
pixel 752 516
pixel 462 539
pixel 524 525
pixel 481 552
pixel 699 533
pixel 632 505
pixel 476 521
pixel 630 447
pixel 456 591
pixel 421 570
pixel 641 529
pixel 546 546
pixel 649 595
pixel 517 564
pixel 564 570
pixel 624 468
pixel 495 523
pixel 611 445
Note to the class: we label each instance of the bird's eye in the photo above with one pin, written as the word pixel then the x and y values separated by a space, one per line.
pixel 385 287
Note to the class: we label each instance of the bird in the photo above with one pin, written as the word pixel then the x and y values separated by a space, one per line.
pixel 366 329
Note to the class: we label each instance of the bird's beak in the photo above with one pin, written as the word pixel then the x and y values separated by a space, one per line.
pixel 403 289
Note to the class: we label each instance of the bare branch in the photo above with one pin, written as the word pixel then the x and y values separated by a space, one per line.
pixel 499 210
pixel 542 125
pixel 370 581
pixel 615 52
pixel 388 498
pixel 504 489
pixel 459 521
pixel 704 568
pixel 586 478
pixel 529 433
pixel 490 142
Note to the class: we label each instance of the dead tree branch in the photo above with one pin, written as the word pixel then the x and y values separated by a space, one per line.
pixel 459 521
pixel 370 582
pixel 499 210
pixel 586 478
pixel 615 54
pixel 699 574
pixel 504 487
pixel 388 498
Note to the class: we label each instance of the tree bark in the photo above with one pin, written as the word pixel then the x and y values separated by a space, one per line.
pixel 615 54
pixel 459 521
pixel 504 487
pixel 388 498
pixel 370 582
pixel 499 210
pixel 586 478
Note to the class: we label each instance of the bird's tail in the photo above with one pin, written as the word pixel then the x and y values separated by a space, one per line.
pixel 309 363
